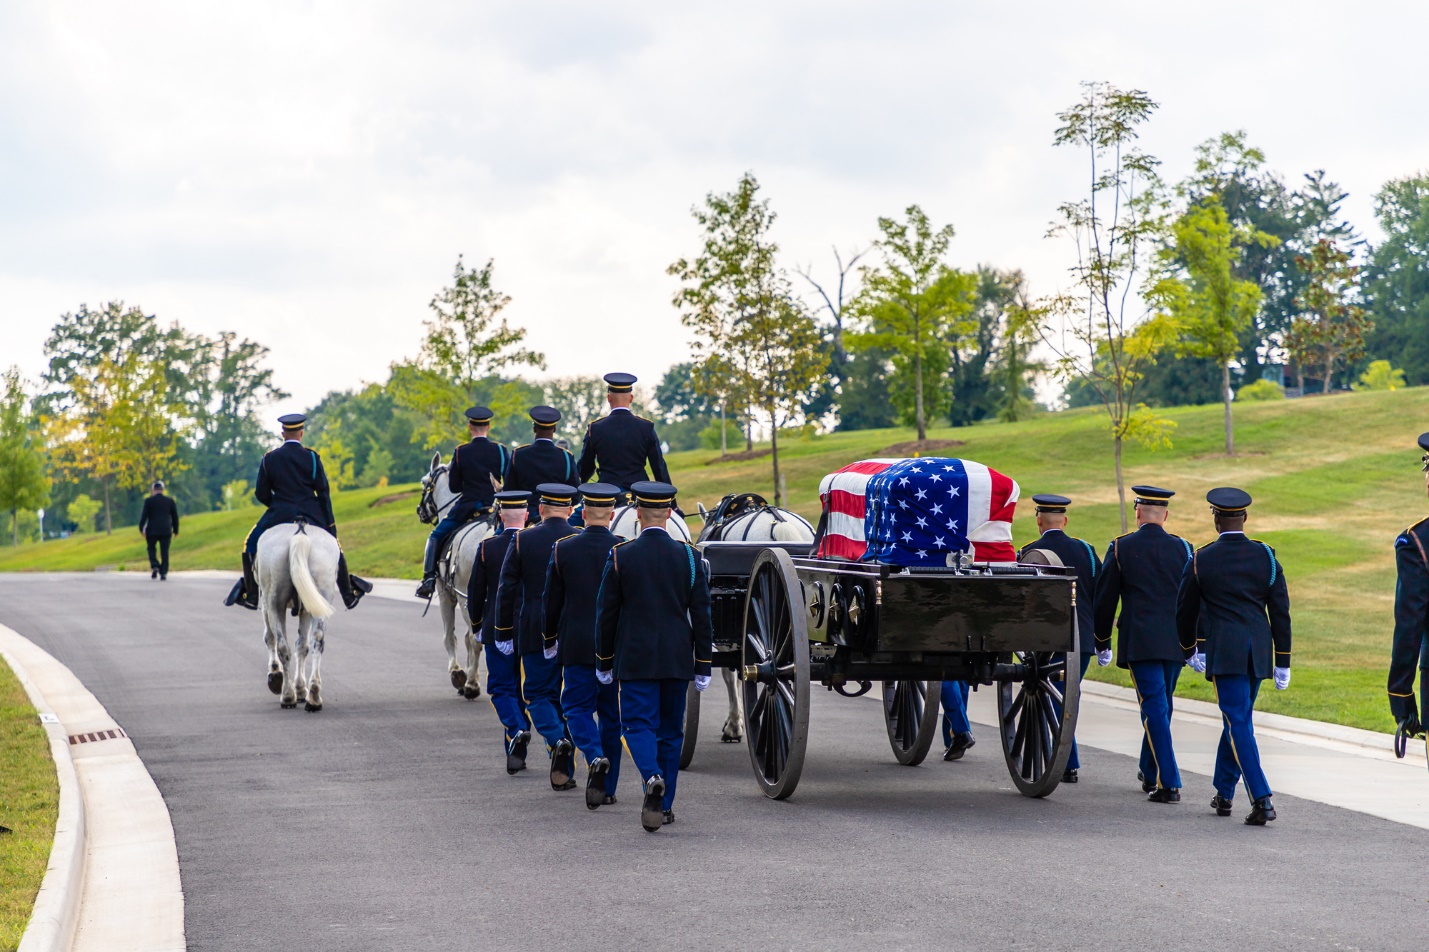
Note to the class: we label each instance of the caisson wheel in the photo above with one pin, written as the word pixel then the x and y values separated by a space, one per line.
pixel 910 711
pixel 775 674
pixel 1038 715
pixel 692 725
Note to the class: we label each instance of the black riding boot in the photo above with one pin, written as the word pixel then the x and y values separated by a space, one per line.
pixel 351 587
pixel 429 571
pixel 245 592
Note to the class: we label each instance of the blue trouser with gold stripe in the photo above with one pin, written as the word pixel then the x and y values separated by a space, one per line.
pixel 1238 754
pixel 955 710
pixel 541 690
pixel 652 719
pixel 584 699
pixel 1073 761
pixel 503 687
pixel 1155 682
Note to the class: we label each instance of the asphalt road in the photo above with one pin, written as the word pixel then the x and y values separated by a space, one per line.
pixel 387 821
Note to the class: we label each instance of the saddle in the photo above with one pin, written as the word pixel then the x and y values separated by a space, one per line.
pixel 731 508
pixel 449 545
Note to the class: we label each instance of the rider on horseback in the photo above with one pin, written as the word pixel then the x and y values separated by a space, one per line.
pixel 540 461
pixel 476 471
pixel 293 485
pixel 621 444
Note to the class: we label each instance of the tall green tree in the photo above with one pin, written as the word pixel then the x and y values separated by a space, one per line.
pixel 1397 286
pixel 916 307
pixel 834 298
pixel 1210 306
pixel 1332 326
pixel 1102 331
pixel 23 483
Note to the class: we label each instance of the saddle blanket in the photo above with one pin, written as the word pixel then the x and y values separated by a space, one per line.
pixel 917 512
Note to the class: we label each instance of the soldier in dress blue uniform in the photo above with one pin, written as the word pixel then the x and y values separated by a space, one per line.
pixel 293 485
pixel 572 585
pixel 518 624
pixel 503 679
pixel 621 444
pixel 1079 555
pixel 476 469
pixel 1233 614
pixel 541 461
pixel 1411 620
pixel 1142 571
pixel 654 636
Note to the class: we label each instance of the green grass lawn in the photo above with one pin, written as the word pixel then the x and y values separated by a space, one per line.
pixel 1334 479
pixel 29 802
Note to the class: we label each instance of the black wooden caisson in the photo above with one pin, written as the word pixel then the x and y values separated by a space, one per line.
pixel 785 621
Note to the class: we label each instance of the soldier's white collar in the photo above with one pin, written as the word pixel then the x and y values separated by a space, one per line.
pixel 299 442
pixel 1239 532
pixel 618 409
pixel 656 529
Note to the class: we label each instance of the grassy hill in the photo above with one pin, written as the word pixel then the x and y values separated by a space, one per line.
pixel 1334 479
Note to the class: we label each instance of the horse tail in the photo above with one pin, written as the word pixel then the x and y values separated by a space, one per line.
pixel 299 547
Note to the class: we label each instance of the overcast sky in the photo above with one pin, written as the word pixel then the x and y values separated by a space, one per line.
pixel 306 173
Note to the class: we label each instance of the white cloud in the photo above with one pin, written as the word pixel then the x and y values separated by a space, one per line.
pixel 307 173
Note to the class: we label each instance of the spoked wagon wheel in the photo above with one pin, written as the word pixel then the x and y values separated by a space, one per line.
pixel 910 711
pixel 1038 714
pixel 775 674
pixel 692 725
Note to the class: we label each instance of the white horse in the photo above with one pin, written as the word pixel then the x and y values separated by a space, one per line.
pixel 297 570
pixel 453 575
pixel 626 525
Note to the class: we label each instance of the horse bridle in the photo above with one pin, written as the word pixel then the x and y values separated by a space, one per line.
pixel 427 509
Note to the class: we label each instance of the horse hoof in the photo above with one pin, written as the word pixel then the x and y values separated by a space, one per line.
pixel 459 679
pixel 288 705
pixel 310 707
pixel 275 682
pixel 472 692
pixel 731 739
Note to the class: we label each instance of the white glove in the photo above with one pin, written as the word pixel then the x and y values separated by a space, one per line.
pixel 702 681
pixel 1282 678
pixel 506 647
pixel 1104 658
pixel 1197 662
pixel 550 653
pixel 605 677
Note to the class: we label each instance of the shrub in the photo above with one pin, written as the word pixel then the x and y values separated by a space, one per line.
pixel 82 511
pixel 1380 375
pixel 1260 390
pixel 734 436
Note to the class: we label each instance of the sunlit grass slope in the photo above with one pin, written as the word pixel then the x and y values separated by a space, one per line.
pixel 1334 479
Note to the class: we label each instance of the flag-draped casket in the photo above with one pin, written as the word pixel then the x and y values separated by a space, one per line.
pixel 917 511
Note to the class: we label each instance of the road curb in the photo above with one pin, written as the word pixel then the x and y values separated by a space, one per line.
pixel 55 918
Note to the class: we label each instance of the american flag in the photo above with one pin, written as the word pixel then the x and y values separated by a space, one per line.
pixel 917 511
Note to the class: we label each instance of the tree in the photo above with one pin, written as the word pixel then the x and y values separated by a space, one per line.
pixel 753 337
pixel 1331 327
pixel 1397 286
pixel 916 307
pixel 580 400
pixel 1012 364
pixel 466 344
pixel 1102 332
pixel 23 483
pixel 978 372
pixel 684 413
pixel 835 303
pixel 82 511
pixel 1380 375
pixel 1209 304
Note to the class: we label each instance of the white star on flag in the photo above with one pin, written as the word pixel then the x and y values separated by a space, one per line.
pixel 938 542
pixel 937 509
pixel 952 525
pixel 922 523
pixel 907 537
pixel 952 491
pixel 902 504
pixel 935 478
pixel 922 553
pixel 903 481
pixel 922 494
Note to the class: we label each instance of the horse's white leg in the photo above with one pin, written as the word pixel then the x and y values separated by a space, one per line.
pixel 300 657
pixel 275 659
pixel 315 681
pixel 733 731
pixel 448 609
pixel 289 658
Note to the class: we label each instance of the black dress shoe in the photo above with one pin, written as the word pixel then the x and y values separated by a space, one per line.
pixel 669 817
pixel 609 801
pixel 153 573
pixel 516 752
pixel 963 741
pixel 595 783
pixel 1164 795
pixel 1069 775
pixel 1261 812
pixel 1146 785
pixel 563 765
pixel 241 597
pixel 1221 804
pixel 427 588
pixel 652 808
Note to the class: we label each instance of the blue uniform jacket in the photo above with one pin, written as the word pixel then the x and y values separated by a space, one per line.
pixel 1411 614
pixel 523 578
pixel 1082 557
pixel 621 444
pixel 481 590
pixel 473 467
pixel 291 482
pixel 1142 570
pixel 1234 605
pixel 540 462
pixel 653 620
pixel 572 587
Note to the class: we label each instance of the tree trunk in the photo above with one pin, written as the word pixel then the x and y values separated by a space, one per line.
pixel 918 396
pixel 15 524
pixel 723 438
pixel 1120 485
pixel 108 516
pixel 1300 376
pixel 774 455
pixel 748 432
pixel 1226 396
pixel 1329 369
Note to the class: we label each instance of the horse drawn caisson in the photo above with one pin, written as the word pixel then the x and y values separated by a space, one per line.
pixel 868 602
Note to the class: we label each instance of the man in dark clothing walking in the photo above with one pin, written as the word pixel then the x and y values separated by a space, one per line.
pixel 159 523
